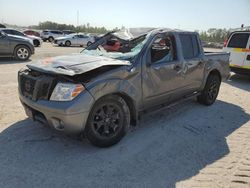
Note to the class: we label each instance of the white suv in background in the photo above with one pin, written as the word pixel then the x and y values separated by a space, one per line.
pixel 238 44
pixel 50 35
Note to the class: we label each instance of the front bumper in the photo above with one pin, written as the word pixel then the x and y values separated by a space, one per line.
pixel 59 42
pixel 69 117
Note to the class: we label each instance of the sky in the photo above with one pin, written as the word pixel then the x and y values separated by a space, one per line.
pixel 181 14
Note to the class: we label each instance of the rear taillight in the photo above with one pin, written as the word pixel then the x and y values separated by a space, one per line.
pixel 225 43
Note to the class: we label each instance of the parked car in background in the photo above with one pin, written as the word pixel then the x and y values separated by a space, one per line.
pixel 37 41
pixel 238 44
pixel 100 94
pixel 31 32
pixel 78 39
pixel 15 46
pixel 50 35
pixel 68 32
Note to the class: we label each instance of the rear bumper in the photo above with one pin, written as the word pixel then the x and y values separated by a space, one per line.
pixel 69 117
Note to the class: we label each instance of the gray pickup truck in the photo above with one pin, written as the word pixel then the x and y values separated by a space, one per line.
pixel 15 46
pixel 103 90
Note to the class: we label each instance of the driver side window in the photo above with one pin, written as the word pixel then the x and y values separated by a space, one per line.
pixel 163 49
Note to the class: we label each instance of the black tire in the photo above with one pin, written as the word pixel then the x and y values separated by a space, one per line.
pixel 44 40
pixel 22 53
pixel 36 43
pixel 210 91
pixel 51 39
pixel 89 43
pixel 67 43
pixel 108 121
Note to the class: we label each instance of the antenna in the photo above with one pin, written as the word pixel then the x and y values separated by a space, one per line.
pixel 77 25
pixel 77 18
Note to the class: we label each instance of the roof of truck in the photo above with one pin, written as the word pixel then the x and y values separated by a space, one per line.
pixel 132 33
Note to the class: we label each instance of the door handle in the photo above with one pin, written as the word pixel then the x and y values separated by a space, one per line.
pixel 157 67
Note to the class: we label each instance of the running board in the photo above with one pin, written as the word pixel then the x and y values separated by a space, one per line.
pixel 168 105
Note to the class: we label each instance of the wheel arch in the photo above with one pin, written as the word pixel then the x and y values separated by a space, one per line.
pixel 215 72
pixel 211 72
pixel 20 45
pixel 129 101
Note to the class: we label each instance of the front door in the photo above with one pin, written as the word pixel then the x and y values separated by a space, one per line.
pixel 237 46
pixel 4 44
pixel 162 75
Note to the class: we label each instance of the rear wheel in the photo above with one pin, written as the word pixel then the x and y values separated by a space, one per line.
pixel 22 53
pixel 108 121
pixel 211 90
pixel 51 39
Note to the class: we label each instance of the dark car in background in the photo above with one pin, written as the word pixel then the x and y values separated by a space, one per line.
pixel 37 41
pixel 31 32
pixel 15 46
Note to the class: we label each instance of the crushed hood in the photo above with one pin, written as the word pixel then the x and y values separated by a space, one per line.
pixel 74 64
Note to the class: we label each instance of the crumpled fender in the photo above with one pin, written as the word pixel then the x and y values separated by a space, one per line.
pixel 115 85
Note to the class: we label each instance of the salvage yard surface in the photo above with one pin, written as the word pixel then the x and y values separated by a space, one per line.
pixel 187 145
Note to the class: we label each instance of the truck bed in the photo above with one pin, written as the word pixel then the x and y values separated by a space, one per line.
pixel 218 56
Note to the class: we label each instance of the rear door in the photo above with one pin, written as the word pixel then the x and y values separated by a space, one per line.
pixel 80 39
pixel 237 46
pixel 4 44
pixel 193 60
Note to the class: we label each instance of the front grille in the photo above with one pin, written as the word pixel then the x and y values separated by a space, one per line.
pixel 35 86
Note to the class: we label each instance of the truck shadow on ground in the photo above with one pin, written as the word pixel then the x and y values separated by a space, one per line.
pixel 167 147
pixel 11 60
pixel 240 81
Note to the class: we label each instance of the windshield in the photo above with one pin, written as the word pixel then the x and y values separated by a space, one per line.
pixel 116 48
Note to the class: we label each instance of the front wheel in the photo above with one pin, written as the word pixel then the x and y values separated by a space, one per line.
pixel 22 53
pixel 108 121
pixel 211 90
pixel 51 39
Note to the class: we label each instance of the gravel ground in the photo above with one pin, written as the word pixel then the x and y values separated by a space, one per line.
pixel 187 145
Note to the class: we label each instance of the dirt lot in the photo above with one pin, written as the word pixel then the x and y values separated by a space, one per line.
pixel 188 145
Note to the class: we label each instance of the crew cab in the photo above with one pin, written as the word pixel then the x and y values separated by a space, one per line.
pixel 100 93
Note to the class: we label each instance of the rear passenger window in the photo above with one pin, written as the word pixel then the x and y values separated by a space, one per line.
pixel 238 40
pixel 190 47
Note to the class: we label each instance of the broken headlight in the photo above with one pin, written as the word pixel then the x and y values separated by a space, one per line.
pixel 66 91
